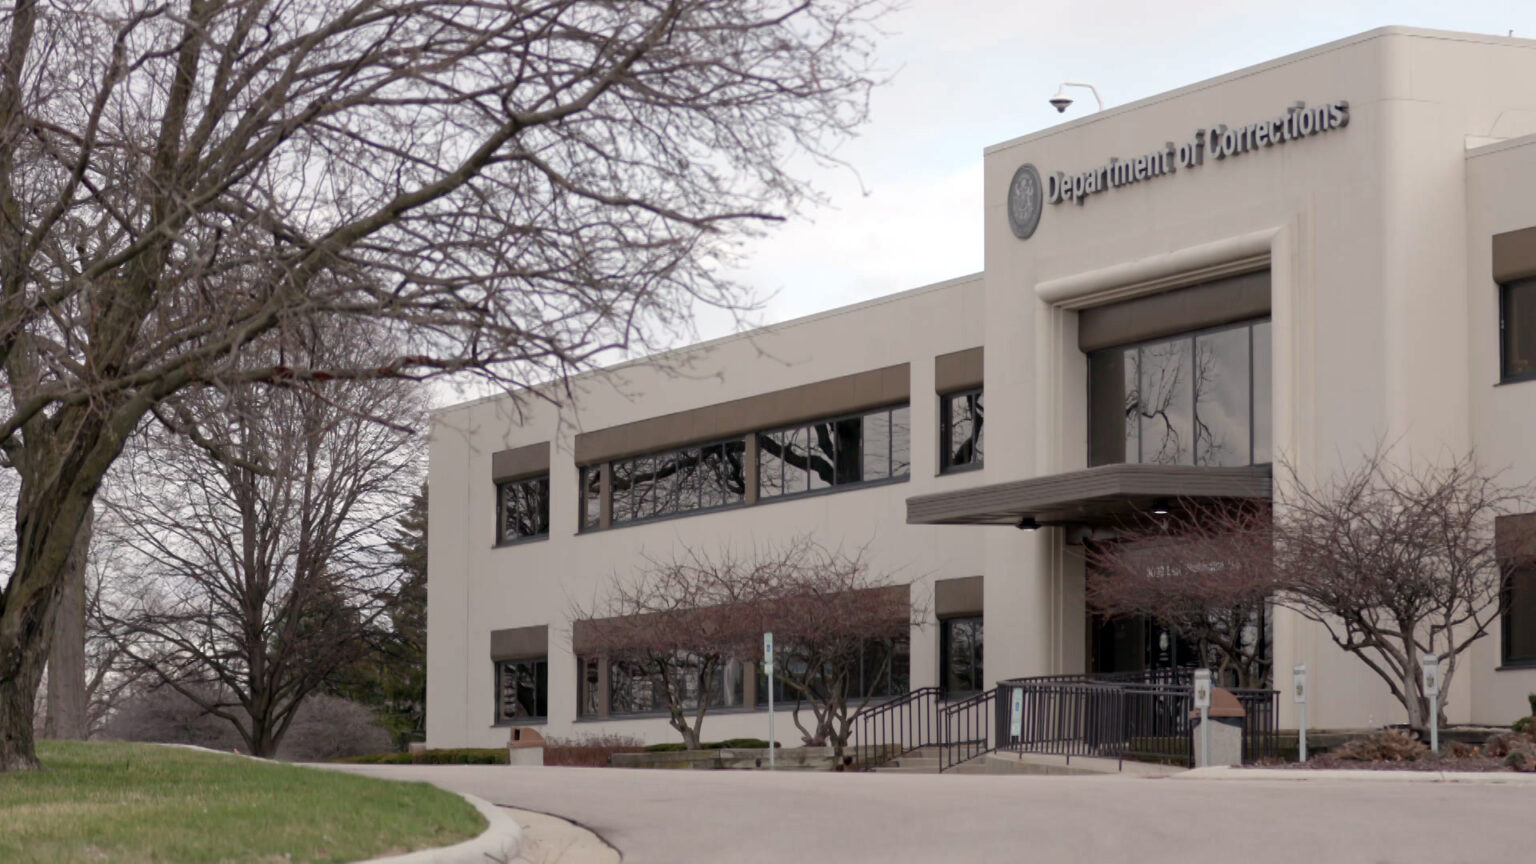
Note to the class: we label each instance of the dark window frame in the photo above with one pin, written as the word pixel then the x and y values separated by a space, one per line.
pixel 945 646
pixel 541 699
pixel 1507 658
pixel 946 427
pixel 1192 336
pixel 655 456
pixel 1505 290
pixel 834 487
pixel 501 512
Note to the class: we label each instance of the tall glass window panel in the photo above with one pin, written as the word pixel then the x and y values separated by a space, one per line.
pixel 1517 329
pixel 591 497
pixel 961 649
pixel 522 689
pixel 1519 624
pixel 677 489
pixel 823 454
pixel 588 682
pixel 1131 408
pixel 901 441
pixel 770 464
pixel 961 419
pixel 524 509
pixel 884 667
pixel 877 446
pixel 1164 404
pixel 848 451
pixel 1222 388
pixel 797 460
pixel 622 478
pixel 710 476
pixel 731 473
pixel 1263 394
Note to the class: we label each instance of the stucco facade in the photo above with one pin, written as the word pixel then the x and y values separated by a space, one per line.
pixel 1376 234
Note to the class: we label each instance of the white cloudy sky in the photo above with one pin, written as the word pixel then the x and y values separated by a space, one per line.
pixel 969 73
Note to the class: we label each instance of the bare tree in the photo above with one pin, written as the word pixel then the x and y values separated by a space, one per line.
pixel 1204 572
pixel 839 630
pixel 260 527
pixel 1397 562
pixel 680 623
pixel 683 620
pixel 513 188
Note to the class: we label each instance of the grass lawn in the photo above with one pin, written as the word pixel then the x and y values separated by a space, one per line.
pixel 117 802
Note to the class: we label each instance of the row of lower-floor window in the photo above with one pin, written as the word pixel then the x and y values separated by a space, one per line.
pixel 884 670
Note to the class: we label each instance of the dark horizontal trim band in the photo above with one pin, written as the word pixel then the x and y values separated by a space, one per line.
pixel 1224 301
pixel 520 462
pixel 1083 497
pixel 1514 255
pixel 960 370
pixel 846 395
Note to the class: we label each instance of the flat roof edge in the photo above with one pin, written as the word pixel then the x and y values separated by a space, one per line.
pixel 1265 66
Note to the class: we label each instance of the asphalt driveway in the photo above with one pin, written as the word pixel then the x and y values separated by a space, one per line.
pixel 708 817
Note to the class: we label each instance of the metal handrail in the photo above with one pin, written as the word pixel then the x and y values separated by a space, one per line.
pixel 966 728
pixel 1135 715
pixel 898 727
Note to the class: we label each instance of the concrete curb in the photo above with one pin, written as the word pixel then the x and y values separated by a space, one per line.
pixel 500 842
pixel 1486 778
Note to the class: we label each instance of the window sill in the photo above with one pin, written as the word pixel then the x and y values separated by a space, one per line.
pixel 521 541
pixel 1515 379
pixel 1517 666
pixel 961 469
pixel 525 721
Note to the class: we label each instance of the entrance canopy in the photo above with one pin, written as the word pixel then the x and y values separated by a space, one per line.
pixel 1093 496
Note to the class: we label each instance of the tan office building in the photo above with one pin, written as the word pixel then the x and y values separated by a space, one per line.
pixel 1342 241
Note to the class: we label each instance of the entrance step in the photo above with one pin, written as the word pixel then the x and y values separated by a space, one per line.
pixel 912 765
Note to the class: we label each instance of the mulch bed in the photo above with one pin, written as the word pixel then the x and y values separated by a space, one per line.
pixel 1426 763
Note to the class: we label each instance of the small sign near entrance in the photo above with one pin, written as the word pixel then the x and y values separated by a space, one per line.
pixel 1016 716
pixel 1202 688
pixel 768 652
pixel 1299 675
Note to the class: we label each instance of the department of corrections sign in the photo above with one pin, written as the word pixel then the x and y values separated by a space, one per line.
pixel 1024 200
pixel 1025 192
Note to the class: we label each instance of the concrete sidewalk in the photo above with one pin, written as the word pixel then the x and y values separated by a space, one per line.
pixel 1493 778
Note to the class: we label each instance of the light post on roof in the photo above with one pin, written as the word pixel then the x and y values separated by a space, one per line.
pixel 1061 101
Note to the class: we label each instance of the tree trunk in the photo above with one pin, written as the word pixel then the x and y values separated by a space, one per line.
pixel 18 690
pixel 67 698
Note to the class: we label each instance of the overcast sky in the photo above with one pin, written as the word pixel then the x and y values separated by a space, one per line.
pixel 970 73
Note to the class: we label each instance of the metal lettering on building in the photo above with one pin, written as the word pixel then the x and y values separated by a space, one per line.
pixel 1216 142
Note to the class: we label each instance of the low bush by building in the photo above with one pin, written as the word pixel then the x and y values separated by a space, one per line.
pixel 1386 745
pixel 446 756
pixel 589 751
pixel 727 744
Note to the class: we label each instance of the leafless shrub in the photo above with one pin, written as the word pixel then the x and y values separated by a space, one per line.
pixel 589 751
pixel 329 727
pixel 1385 745
pixel 1399 561
pixel 1206 572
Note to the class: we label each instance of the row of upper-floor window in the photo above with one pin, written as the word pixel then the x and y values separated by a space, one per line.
pixel 868 448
